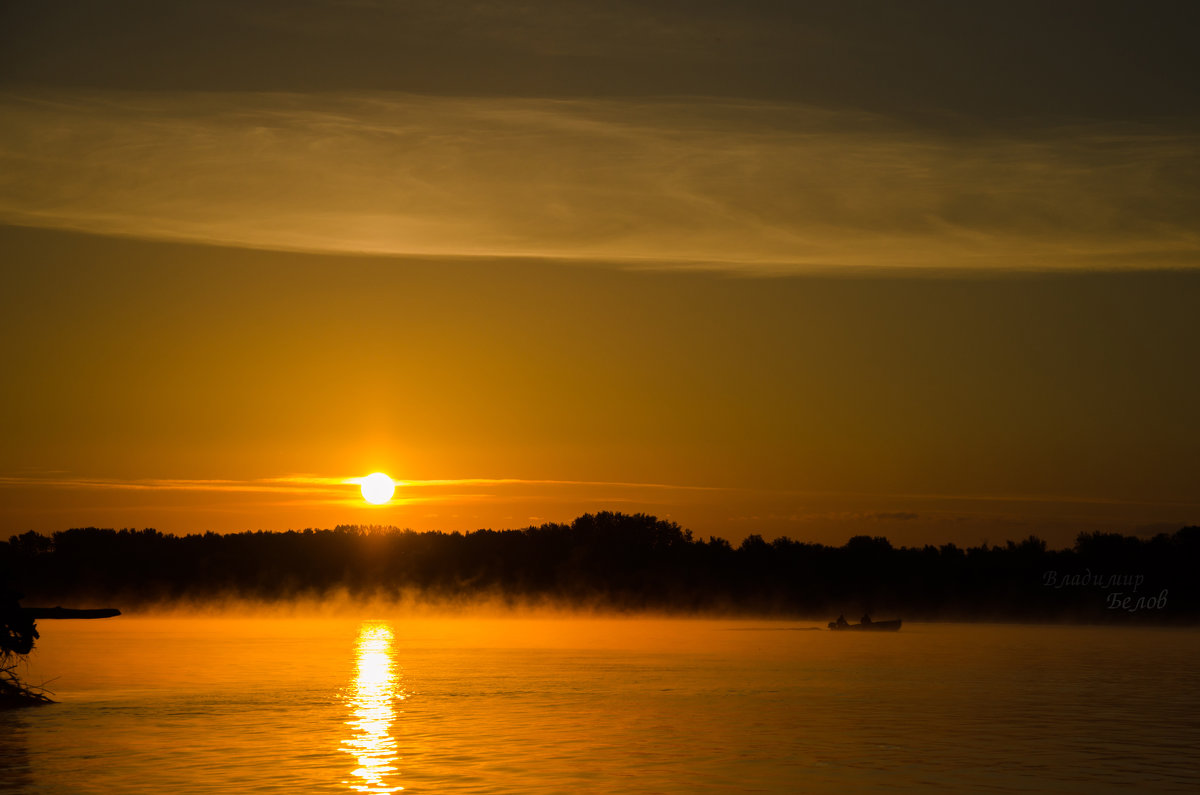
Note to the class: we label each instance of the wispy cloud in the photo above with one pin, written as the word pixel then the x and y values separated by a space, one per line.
pixel 299 489
pixel 287 485
pixel 699 183
pixel 528 482
pixel 314 489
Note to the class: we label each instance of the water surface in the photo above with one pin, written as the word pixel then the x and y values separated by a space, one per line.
pixel 541 705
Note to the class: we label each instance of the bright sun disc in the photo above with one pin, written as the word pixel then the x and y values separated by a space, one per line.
pixel 377 488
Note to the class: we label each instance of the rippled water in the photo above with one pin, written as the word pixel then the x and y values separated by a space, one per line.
pixel 593 705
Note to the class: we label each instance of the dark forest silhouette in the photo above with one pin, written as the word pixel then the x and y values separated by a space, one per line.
pixel 623 562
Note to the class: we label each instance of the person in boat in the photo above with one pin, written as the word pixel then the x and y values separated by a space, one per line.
pixel 866 619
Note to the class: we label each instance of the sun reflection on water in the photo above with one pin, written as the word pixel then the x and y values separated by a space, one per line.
pixel 372 699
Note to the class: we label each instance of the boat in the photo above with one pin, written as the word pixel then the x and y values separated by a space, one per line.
pixel 37 613
pixel 870 626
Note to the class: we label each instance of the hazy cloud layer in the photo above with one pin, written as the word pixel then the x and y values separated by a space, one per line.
pixel 1009 62
pixel 730 184
pixel 344 490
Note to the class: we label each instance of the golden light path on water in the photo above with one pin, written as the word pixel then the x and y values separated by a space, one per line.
pixel 372 700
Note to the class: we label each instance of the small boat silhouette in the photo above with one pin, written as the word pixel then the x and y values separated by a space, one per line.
pixel 37 613
pixel 868 626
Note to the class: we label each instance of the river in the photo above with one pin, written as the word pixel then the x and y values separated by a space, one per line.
pixel 563 704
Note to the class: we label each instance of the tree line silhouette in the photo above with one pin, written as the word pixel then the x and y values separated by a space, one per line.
pixel 623 562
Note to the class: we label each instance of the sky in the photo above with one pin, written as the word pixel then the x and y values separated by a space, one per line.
pixel 923 270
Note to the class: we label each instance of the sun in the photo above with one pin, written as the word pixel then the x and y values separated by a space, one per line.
pixel 377 488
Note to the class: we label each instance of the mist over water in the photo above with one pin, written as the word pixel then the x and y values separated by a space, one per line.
pixel 533 703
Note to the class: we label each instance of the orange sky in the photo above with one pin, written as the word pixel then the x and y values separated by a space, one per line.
pixel 536 263
pixel 174 386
